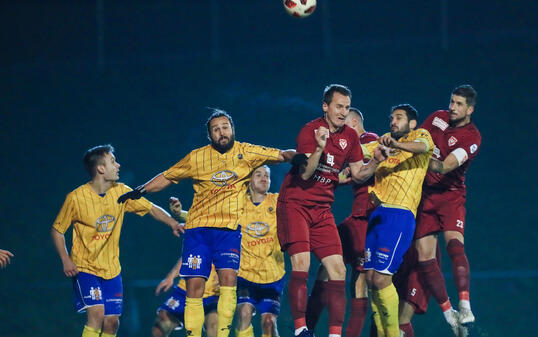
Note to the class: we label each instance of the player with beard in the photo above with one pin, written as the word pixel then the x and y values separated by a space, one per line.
pixel 457 141
pixel 396 193
pixel 220 172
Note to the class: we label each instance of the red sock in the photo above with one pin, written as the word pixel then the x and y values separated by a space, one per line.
pixel 460 265
pixel 430 272
pixel 298 294
pixel 407 329
pixel 316 303
pixel 359 308
pixel 336 292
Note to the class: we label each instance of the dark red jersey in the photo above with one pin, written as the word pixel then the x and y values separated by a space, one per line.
pixel 448 139
pixel 360 191
pixel 342 146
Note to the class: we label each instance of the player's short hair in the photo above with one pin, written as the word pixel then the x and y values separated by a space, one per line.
pixel 331 89
pixel 466 91
pixel 357 112
pixel 216 113
pixel 410 111
pixel 94 157
pixel 265 167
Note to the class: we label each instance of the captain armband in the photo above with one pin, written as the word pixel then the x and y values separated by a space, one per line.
pixel 461 155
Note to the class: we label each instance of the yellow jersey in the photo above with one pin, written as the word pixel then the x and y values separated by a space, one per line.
pixel 398 179
pixel 97 222
pixel 262 261
pixel 211 285
pixel 219 181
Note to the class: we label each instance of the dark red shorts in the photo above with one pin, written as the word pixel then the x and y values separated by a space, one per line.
pixel 440 212
pixel 307 229
pixel 353 235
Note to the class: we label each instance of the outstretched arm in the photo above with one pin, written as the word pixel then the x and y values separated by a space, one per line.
pixel 161 215
pixel 70 269
pixel 168 281
pixel 361 172
pixel 156 184
pixel 286 155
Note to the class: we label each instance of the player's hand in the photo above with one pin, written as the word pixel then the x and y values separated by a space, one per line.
pixel 387 140
pixel 164 285
pixel 70 269
pixel 175 206
pixel 178 229
pixel 5 258
pixel 321 134
pixel 344 177
pixel 137 193
pixel 380 153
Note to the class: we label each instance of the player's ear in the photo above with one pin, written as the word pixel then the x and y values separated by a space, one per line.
pixel 100 168
pixel 412 124
pixel 325 107
pixel 470 110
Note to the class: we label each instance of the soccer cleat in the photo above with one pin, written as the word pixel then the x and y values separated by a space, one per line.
pixel 464 331
pixel 466 316
pixel 451 317
pixel 306 333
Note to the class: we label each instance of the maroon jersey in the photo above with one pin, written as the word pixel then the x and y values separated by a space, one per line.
pixel 360 191
pixel 448 139
pixel 341 147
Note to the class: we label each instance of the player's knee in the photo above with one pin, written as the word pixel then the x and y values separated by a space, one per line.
pixel 95 316
pixel 111 324
pixel 162 326
pixel 268 322
pixel 380 281
pixel 211 324
pixel 244 315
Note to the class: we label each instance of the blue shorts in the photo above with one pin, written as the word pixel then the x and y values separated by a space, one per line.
pixel 175 303
pixel 264 297
pixel 90 290
pixel 390 232
pixel 204 246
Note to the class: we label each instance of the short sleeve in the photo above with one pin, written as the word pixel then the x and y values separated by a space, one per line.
pixel 260 155
pixel 181 170
pixel 306 140
pixel 66 214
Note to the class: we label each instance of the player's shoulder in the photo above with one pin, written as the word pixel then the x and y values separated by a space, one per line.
pixel 204 148
pixel 421 132
pixel 315 123
pixel 439 119
pixel 472 130
pixel 368 137
pixel 273 197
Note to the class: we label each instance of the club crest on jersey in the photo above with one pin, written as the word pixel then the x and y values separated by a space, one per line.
pixel 343 143
pixel 452 140
pixel 271 209
pixel 257 229
pixel 240 156
pixel 224 178
pixel 105 223
pixel 195 262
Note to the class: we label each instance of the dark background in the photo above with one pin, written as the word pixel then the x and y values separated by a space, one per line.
pixel 139 75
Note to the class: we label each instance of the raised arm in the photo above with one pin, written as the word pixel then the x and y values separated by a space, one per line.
pixel 321 135
pixel 156 184
pixel 163 216
pixel 70 269
pixel 361 172
pixel 5 256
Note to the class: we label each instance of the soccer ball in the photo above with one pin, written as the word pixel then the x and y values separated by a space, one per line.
pixel 299 8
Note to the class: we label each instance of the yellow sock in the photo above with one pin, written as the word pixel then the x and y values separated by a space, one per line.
pixel 388 307
pixel 248 332
pixel 194 316
pixel 104 334
pixel 225 310
pixel 377 316
pixel 90 332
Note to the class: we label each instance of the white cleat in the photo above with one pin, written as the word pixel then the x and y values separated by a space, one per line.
pixel 466 320
pixel 452 318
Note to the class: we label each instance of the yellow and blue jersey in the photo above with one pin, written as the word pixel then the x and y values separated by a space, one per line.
pixel 398 179
pixel 219 181
pixel 262 261
pixel 97 222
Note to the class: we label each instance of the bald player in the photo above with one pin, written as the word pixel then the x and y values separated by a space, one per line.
pixel 219 172
pixel 396 192
pixel 97 219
